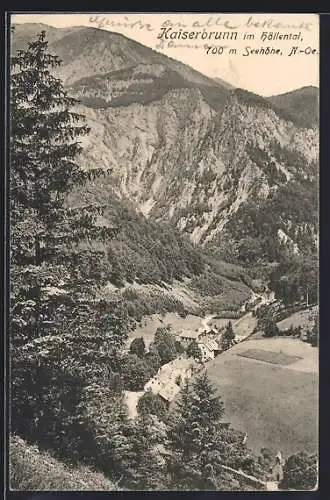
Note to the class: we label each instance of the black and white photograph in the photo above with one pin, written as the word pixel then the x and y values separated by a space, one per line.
pixel 163 182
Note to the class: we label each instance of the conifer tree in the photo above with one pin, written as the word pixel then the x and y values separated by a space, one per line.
pixel 58 325
pixel 194 351
pixel 164 344
pixel 145 467
pixel 192 435
pixel 138 347
pixel 300 472
pixel 228 337
pixel 108 430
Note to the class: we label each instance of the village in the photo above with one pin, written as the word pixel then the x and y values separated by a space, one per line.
pixel 171 377
pixel 211 339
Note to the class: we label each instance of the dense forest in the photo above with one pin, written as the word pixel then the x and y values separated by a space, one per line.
pixel 155 256
pixel 252 239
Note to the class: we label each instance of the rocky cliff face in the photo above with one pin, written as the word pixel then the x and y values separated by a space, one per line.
pixel 183 148
pixel 177 158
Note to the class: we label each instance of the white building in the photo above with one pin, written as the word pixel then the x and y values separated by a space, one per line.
pixel 209 348
pixel 171 377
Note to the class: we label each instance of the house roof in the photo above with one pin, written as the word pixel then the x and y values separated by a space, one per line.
pixel 174 368
pixel 169 391
pixel 179 363
pixel 164 382
pixel 210 344
pixel 190 334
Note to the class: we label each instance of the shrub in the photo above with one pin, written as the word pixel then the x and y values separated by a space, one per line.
pixel 152 404
pixel 300 472
pixel 135 372
pixel 138 347
pixel 194 351
pixel 269 327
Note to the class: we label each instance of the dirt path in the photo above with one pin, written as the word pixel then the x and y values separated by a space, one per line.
pixel 205 322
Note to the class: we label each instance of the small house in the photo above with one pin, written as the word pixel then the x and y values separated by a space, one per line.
pixel 171 377
pixel 209 348
pixel 187 336
pixel 207 353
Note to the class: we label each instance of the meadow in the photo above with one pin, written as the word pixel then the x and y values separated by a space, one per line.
pixel 275 404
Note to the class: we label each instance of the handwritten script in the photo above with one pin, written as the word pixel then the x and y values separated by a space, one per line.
pixel 140 23
pixel 125 22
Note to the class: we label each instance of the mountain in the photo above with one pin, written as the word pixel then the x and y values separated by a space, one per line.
pixel 25 33
pixel 180 159
pixel 224 83
pixel 302 103
pixel 235 172
pixel 212 193
pixel 89 51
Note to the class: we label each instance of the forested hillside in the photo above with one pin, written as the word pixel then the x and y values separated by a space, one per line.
pixel 139 186
pixel 67 364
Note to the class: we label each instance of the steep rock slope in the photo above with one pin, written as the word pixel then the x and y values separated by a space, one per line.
pixel 184 148
pixel 178 158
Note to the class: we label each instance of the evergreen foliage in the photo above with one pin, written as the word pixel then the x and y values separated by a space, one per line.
pixel 62 336
pixel 192 433
pixel 194 351
pixel 152 404
pixel 164 345
pixel 228 337
pixel 300 472
pixel 138 347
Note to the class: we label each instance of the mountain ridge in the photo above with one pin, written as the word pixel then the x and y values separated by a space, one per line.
pixel 107 35
pixel 183 149
pixel 73 46
pixel 302 102
pixel 26 32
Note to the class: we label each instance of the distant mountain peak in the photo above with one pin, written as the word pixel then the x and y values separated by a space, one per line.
pixel 306 88
pixel 302 104
pixel 87 50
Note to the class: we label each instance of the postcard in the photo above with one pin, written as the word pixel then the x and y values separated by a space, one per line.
pixel 164 236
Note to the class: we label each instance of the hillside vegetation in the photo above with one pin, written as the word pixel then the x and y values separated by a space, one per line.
pixel 34 470
pixel 302 103
pixel 147 260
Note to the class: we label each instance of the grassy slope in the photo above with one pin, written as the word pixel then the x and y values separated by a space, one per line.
pixel 304 318
pixel 31 469
pixel 275 405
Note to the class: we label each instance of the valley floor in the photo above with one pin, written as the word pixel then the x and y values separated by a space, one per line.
pixel 276 404
pixel 269 385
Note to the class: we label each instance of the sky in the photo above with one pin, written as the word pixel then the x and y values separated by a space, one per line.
pixel 263 74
